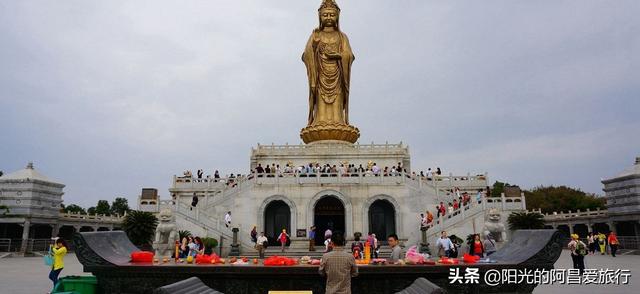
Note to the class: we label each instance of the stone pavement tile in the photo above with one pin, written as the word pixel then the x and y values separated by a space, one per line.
pixel 29 275
pixel 630 262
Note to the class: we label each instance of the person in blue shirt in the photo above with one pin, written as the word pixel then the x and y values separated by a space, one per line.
pixel 312 238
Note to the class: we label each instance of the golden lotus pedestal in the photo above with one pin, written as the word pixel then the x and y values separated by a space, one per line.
pixel 330 132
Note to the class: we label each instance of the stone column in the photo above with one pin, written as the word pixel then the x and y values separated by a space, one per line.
pixel 235 247
pixel 25 236
pixel 55 230
pixel 570 229
pixel 612 226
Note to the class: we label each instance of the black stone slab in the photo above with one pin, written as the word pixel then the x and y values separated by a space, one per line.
pixel 534 249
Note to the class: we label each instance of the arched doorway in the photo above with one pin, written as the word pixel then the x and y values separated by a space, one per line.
pixel 382 219
pixel 328 214
pixel 277 216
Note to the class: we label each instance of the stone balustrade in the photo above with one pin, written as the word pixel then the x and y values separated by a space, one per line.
pixel 92 218
pixel 441 182
pixel 356 146
pixel 563 216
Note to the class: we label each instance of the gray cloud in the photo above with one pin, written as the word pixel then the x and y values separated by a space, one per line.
pixel 112 96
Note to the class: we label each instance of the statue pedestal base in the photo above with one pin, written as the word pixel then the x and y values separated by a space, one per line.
pixel 328 152
pixel 330 131
pixel 235 250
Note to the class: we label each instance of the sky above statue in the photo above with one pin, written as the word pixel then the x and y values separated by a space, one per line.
pixel 112 96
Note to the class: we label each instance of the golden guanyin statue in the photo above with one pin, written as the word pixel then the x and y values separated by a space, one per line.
pixel 328 58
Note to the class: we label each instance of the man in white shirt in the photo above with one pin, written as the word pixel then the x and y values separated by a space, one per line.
pixel 227 219
pixel 262 240
pixel 444 243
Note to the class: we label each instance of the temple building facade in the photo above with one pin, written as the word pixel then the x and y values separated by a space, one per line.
pixel 289 197
pixel 32 215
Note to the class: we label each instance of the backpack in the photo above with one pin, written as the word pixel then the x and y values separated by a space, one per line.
pixel 581 249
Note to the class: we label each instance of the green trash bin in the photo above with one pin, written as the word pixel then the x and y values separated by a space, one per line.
pixel 76 285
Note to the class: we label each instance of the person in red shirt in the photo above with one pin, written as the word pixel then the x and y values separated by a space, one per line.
pixel 476 247
pixel 613 243
pixel 283 238
pixel 455 204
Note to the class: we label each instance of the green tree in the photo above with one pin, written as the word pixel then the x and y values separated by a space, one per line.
pixel 119 206
pixel 525 220
pixel 91 210
pixel 103 207
pixel 498 188
pixel 73 208
pixel 5 208
pixel 209 244
pixel 549 199
pixel 140 227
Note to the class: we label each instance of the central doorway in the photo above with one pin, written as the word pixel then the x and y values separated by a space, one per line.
pixel 328 214
pixel 382 219
pixel 277 216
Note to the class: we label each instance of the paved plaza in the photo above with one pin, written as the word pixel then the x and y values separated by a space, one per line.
pixel 29 275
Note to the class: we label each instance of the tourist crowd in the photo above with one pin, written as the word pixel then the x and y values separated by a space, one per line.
pixel 461 200
pixel 317 169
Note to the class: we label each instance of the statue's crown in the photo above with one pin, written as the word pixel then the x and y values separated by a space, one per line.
pixel 326 4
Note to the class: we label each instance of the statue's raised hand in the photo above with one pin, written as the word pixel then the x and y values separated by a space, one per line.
pixel 334 55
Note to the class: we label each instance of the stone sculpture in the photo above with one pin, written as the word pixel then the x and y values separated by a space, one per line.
pixel 494 227
pixel 166 234
pixel 328 58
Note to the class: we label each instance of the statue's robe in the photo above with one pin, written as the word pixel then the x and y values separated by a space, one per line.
pixel 312 60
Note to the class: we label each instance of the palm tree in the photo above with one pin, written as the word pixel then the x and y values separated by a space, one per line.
pixel 525 220
pixel 140 226
pixel 183 234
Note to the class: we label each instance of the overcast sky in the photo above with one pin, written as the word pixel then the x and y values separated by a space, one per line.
pixel 109 97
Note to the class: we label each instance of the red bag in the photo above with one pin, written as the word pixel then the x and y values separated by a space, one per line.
pixel 203 258
pixel 467 258
pixel 142 256
pixel 279 261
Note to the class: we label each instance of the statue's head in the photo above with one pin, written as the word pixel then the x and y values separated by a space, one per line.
pixel 165 216
pixel 329 14
pixel 493 215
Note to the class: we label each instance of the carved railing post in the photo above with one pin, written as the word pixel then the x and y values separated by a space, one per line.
pixel 235 247
pixel 424 245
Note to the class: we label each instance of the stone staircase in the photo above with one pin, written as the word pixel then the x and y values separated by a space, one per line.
pixel 213 226
pixel 471 218
pixel 220 196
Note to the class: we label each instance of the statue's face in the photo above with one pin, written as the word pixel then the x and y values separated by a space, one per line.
pixel 329 17
pixel 495 217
